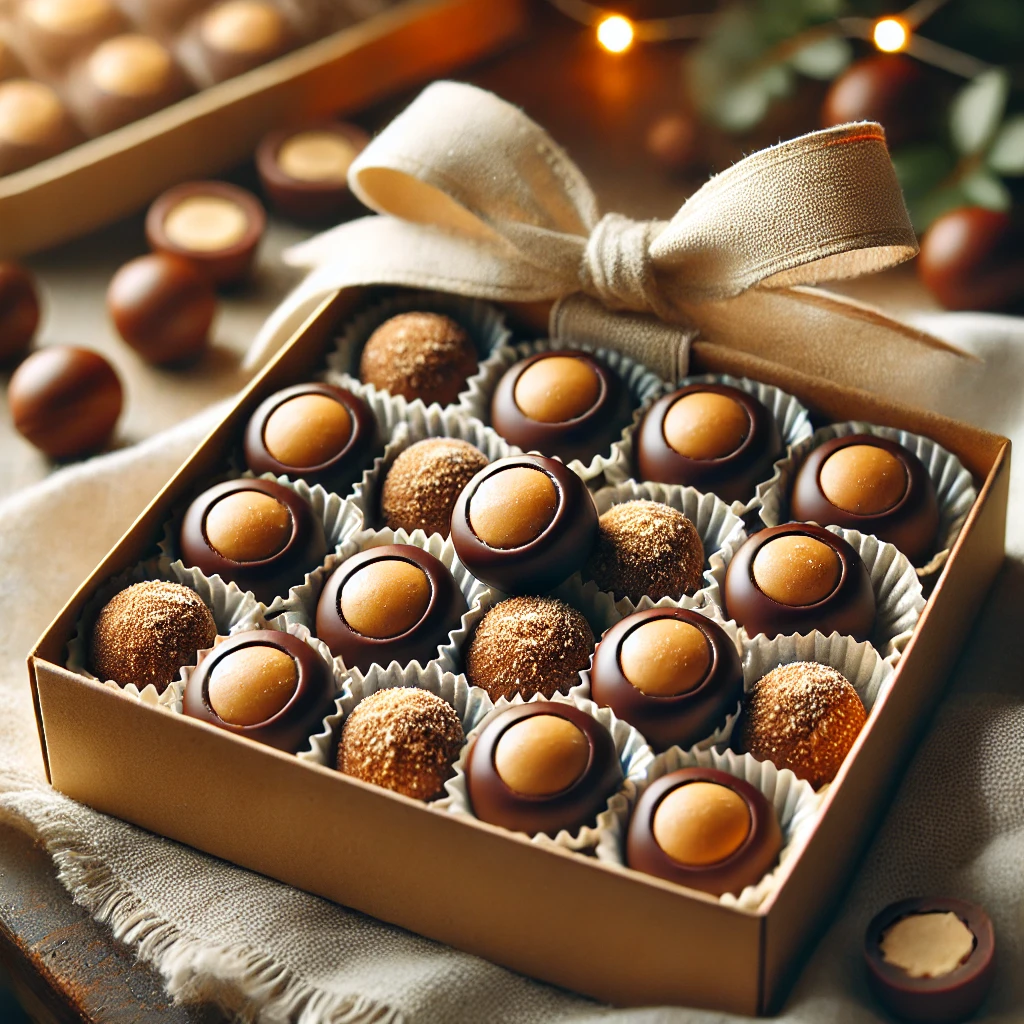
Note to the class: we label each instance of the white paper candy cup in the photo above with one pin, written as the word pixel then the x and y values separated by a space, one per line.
pixel 794 801
pixel 643 385
pixel 604 838
pixel 721 530
pixel 418 423
pixel 484 323
pixel 233 611
pixel 954 487
pixel 790 416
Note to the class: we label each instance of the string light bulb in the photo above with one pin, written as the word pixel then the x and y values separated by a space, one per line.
pixel 891 35
pixel 615 33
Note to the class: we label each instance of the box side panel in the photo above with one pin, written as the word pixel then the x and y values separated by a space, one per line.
pixel 554 916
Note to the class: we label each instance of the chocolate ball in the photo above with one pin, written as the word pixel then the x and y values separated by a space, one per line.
pixel 566 405
pixel 542 767
pixel 162 306
pixel 65 400
pixel 393 603
pixel 524 524
pixel 34 124
pixel 419 355
pixel 236 36
pixel 304 171
pixel 672 673
pixel 214 225
pixel 704 829
pixel 797 578
pixel 56 31
pixel 646 548
pixel 529 645
pixel 871 484
pixel 930 960
pixel 403 739
pixel 713 437
pixel 804 717
pixel 19 311
pixel 257 534
pixel 314 432
pixel 147 632
pixel 424 482
pixel 264 684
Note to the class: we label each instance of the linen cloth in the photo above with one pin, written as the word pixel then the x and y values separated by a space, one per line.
pixel 268 952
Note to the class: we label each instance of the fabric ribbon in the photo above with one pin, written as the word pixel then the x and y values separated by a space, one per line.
pixel 477 199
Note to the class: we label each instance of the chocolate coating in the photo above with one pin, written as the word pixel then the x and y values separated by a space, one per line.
pixel 911 522
pixel 944 999
pixel 552 555
pixel 65 400
pixel 591 426
pixel 722 460
pixel 849 609
pixel 442 611
pixel 300 712
pixel 304 170
pixel 214 225
pixel 162 306
pixel 34 124
pixel 302 548
pixel 334 471
pixel 571 807
pixel 684 717
pixel 236 36
pixel 19 311
pixel 744 866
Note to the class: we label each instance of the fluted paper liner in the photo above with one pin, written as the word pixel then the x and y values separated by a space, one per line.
pixel 794 801
pixel 954 487
pixel 643 386
pixel 721 530
pixel 602 839
pixel 790 415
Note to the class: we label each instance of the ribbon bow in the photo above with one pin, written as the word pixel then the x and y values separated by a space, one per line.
pixel 478 200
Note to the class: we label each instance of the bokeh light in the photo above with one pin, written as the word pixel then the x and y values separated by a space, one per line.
pixel 615 33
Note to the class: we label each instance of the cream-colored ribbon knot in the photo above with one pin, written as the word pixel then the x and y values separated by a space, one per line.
pixel 617 268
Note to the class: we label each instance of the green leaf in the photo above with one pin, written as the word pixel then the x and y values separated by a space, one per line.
pixel 984 189
pixel 823 59
pixel 977 110
pixel 1007 153
pixel 740 107
pixel 921 168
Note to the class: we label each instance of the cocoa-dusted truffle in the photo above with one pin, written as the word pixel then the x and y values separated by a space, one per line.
pixel 145 633
pixel 419 355
pixel 529 645
pixel 804 717
pixel 424 482
pixel 403 739
pixel 647 548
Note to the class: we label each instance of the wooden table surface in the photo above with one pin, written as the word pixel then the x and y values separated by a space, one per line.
pixel 63 966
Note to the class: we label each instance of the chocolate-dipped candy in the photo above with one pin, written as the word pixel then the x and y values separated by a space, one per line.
pixel 258 534
pixel 646 548
pixel 11 65
pixel 705 829
pixel 304 171
pixel 672 673
pixel 419 355
pixel 524 524
pixel 162 306
pixel 145 634
pixel 236 36
pixel 542 767
pixel 930 960
pixel 123 79
pixel 568 405
pixel 713 437
pixel 529 645
pixel 871 484
pixel 19 311
pixel 65 400
pixel 395 602
pixel 404 739
pixel 796 578
pixel 424 482
pixel 314 432
pixel 804 717
pixel 54 32
pixel 212 224
pixel 34 125
pixel 264 684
